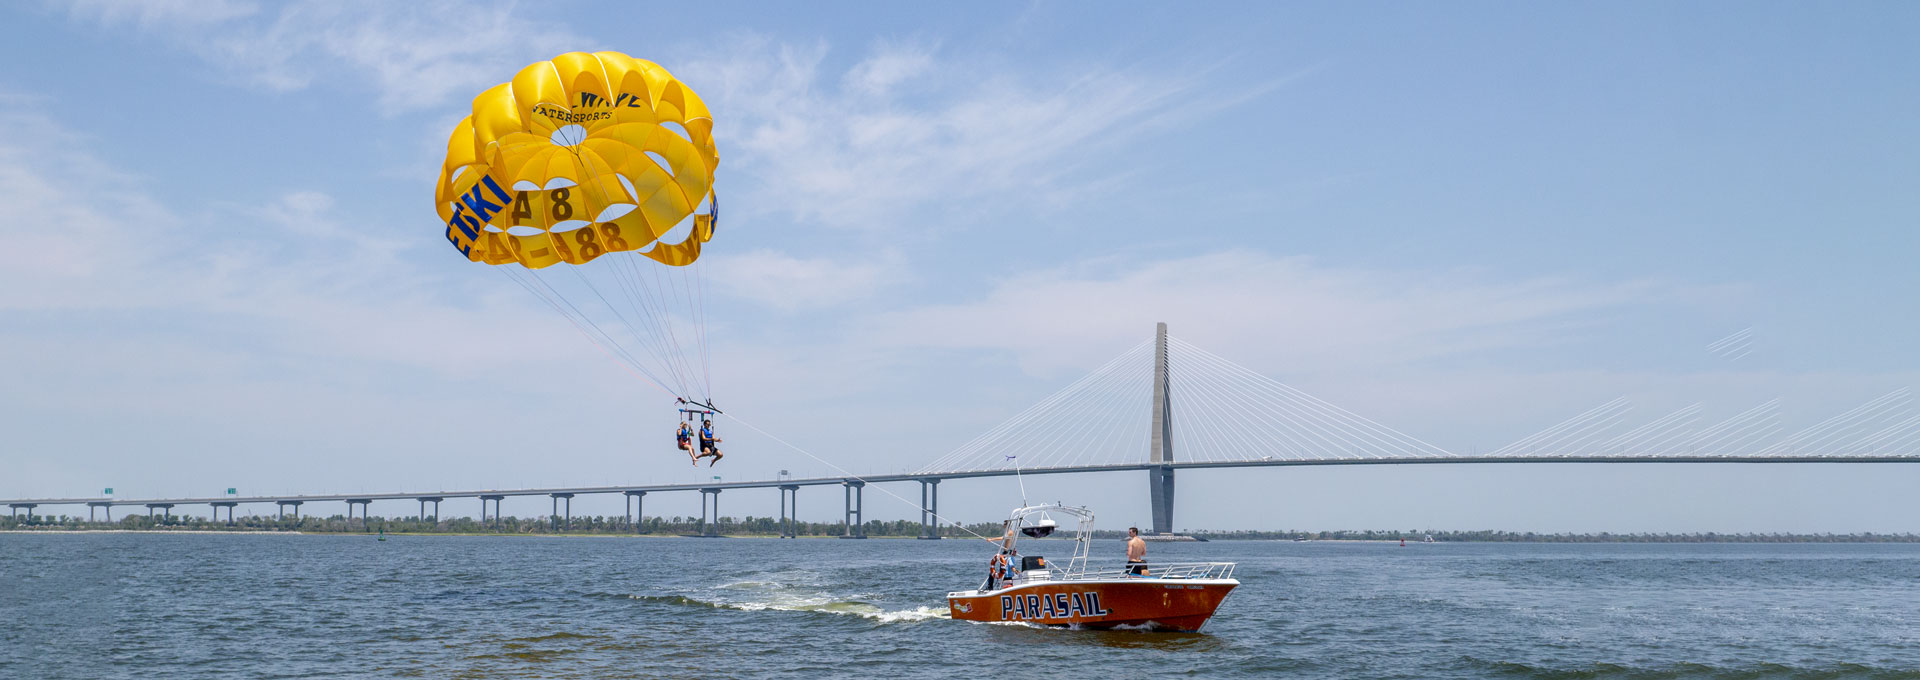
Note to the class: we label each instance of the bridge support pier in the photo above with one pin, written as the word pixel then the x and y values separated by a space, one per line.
pixel 709 528
pixel 496 508
pixel 789 509
pixel 365 504
pixel 98 504
pixel 856 525
pixel 424 500
pixel 16 510
pixel 283 509
pixel 637 500
pixel 225 504
pixel 165 508
pixel 930 509
pixel 556 510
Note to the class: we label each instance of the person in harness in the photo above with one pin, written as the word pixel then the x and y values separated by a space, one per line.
pixel 683 438
pixel 709 444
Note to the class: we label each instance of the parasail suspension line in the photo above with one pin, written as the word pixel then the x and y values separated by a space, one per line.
pixel 626 364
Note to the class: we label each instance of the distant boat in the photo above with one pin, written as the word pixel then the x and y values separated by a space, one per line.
pixel 1429 539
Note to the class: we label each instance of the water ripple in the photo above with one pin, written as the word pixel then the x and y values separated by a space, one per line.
pixel 198 606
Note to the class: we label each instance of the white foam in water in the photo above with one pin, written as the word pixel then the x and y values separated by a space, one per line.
pixel 756 596
pixel 915 614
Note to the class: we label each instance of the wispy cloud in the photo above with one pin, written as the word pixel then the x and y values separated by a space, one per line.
pixel 889 67
pixel 1255 305
pixel 790 283
pixel 909 134
pixel 89 219
pixel 162 14
pixel 412 55
pixel 299 277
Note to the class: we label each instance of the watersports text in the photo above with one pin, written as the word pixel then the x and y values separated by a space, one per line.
pixel 1051 606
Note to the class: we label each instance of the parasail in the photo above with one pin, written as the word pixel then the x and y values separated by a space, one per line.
pixel 588 180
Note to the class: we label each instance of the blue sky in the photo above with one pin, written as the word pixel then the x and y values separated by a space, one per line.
pixel 1467 221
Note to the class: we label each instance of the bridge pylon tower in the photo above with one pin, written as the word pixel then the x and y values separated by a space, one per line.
pixel 1160 440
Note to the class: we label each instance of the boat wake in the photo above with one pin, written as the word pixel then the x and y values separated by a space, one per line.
pixel 757 596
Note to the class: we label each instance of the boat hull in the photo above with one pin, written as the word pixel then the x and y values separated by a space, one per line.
pixel 1177 605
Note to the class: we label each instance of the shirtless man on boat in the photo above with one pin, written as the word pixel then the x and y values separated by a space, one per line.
pixel 1136 552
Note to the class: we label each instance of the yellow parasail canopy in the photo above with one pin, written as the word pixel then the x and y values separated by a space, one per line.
pixel 578 156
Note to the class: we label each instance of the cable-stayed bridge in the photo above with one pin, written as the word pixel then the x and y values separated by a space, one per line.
pixel 1199 410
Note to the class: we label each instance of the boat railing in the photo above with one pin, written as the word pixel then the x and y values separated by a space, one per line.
pixel 1176 570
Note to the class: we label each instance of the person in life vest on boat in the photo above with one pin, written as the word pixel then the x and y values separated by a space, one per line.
pixel 683 438
pixel 709 444
pixel 1001 567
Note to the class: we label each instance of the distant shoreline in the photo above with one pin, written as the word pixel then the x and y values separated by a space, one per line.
pixel 1211 536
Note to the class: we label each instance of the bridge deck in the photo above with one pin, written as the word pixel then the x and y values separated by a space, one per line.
pixel 960 474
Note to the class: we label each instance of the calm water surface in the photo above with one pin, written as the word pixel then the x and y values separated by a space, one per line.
pixel 279 606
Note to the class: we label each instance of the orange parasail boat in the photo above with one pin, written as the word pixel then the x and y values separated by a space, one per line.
pixel 1033 589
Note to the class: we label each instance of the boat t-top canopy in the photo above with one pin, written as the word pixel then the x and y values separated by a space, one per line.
pixel 1036 521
